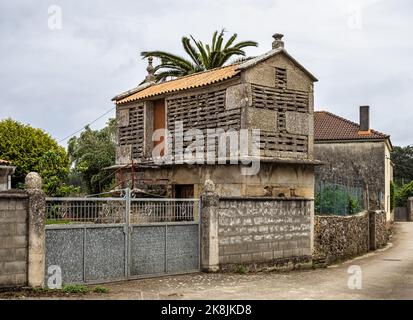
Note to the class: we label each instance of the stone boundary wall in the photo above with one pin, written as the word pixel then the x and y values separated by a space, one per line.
pixel 266 230
pixel 22 237
pixel 338 238
pixel 13 238
pixel 258 233
pixel 380 229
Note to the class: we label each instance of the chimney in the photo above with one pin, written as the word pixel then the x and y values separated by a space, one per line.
pixel 364 119
pixel 277 43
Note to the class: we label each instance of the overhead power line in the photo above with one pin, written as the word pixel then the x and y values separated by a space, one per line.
pixel 86 125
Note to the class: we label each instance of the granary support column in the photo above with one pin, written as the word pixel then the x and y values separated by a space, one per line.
pixel 209 228
pixel 36 235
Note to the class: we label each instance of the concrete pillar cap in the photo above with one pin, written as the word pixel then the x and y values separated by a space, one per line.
pixel 33 181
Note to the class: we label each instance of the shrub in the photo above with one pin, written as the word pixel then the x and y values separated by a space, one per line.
pixel 336 200
pixel 353 205
pixel 240 269
pixel 392 195
pixel 403 193
pixel 100 289
pixel 75 288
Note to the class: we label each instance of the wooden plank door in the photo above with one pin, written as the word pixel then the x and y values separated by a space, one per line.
pixel 159 119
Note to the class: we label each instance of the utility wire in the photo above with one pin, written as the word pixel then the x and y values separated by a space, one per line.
pixel 86 125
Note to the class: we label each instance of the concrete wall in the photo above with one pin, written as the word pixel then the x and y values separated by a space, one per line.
pixel 5 177
pixel 274 232
pixel 22 230
pixel 400 214
pixel 13 238
pixel 338 238
pixel 273 179
pixel 356 161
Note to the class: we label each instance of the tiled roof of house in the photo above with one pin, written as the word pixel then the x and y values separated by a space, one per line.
pixel 195 80
pixel 329 127
pixel 201 79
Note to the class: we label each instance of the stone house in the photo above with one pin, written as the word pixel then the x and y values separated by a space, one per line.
pixel 272 92
pixel 6 171
pixel 259 158
pixel 352 153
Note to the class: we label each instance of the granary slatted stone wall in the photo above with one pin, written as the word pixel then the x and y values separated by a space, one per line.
pixel 283 101
pixel 131 129
pixel 202 111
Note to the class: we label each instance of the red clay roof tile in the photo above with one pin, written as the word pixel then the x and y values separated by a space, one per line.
pixel 328 126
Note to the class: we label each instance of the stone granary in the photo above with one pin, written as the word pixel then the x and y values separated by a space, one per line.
pixel 6 171
pixel 354 153
pixel 272 92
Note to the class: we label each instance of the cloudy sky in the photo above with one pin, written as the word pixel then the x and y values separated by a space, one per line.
pixel 60 79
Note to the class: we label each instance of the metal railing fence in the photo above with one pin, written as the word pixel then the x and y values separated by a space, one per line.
pixel 121 210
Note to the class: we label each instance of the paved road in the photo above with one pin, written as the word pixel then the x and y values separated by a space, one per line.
pixel 385 274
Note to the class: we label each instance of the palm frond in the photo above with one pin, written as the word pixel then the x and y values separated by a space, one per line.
pixel 230 41
pixel 164 75
pixel 244 44
pixel 200 56
pixel 191 51
pixel 165 56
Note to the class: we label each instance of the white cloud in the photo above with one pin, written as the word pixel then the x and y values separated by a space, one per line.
pixel 60 80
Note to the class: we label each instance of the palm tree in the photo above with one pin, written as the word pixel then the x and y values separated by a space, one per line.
pixel 201 57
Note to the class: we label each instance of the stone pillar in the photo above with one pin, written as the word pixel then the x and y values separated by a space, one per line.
pixel 36 236
pixel 372 230
pixel 410 209
pixel 209 228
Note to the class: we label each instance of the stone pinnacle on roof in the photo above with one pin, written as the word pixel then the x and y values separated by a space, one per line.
pixel 151 76
pixel 278 43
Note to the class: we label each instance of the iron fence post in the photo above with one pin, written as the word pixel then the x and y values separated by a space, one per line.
pixel 126 230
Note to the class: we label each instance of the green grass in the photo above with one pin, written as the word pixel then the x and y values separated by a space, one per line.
pixel 100 289
pixel 241 269
pixel 82 289
pixel 75 288
pixel 49 222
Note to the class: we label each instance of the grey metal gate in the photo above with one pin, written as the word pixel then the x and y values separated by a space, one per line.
pixel 95 240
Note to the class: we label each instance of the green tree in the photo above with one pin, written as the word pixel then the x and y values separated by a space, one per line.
pixel 403 193
pixel 93 151
pixel 31 149
pixel 402 157
pixel 201 56
pixel 336 200
pixel 392 195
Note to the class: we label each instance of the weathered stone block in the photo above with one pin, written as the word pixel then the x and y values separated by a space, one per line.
pixel 7 229
pixel 297 122
pixel 13 267
pixel 268 255
pixel 237 96
pixel 123 118
pixel 21 229
pixel 246 257
pixel 13 242
pixel 6 255
pixel 262 119
pixel 124 154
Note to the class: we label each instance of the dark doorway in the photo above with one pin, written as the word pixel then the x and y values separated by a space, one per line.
pixel 184 191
